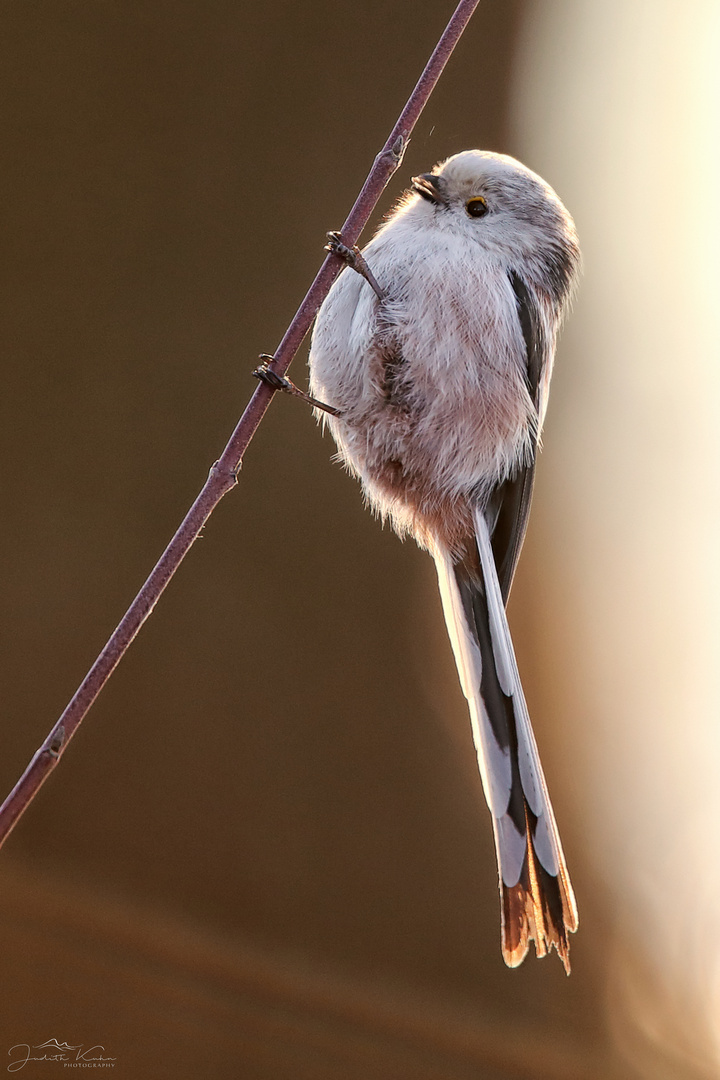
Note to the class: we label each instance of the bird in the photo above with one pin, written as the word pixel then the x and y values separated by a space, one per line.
pixel 433 351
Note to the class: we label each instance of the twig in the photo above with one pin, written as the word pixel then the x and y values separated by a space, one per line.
pixel 223 475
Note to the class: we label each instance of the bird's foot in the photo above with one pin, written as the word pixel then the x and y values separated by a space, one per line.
pixel 281 382
pixel 351 257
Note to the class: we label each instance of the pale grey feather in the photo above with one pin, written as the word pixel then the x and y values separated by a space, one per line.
pixel 442 388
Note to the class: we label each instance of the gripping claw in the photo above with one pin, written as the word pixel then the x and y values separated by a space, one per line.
pixel 351 257
pixel 280 382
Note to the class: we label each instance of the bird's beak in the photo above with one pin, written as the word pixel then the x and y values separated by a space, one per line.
pixel 431 187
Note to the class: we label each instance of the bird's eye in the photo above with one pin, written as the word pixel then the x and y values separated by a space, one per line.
pixel 476 207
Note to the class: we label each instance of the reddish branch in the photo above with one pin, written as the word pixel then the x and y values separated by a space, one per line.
pixel 223 475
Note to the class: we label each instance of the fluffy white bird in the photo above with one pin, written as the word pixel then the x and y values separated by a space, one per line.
pixel 439 365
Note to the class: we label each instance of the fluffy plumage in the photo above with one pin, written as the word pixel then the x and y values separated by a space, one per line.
pixel 442 388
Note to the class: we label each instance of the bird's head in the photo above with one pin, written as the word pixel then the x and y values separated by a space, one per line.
pixel 494 201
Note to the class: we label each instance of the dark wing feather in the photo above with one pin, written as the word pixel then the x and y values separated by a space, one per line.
pixel 509 504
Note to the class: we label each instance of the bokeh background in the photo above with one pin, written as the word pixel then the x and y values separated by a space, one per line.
pixel 267 855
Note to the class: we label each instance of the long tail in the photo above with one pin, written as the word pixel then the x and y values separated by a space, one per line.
pixel 537 899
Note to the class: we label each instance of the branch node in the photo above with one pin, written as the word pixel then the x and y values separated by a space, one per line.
pixel 393 155
pixel 399 147
pixel 56 742
pixel 231 472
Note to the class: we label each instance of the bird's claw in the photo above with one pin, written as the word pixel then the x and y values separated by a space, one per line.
pixel 352 257
pixel 280 382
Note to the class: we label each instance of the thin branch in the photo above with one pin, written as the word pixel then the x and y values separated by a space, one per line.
pixel 223 475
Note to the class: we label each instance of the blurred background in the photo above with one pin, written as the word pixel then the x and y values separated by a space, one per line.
pixel 267 854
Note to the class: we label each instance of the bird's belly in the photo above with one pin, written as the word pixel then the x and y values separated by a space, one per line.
pixel 430 385
pixel 434 427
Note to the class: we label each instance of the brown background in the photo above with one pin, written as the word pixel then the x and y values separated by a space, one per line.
pixel 267 854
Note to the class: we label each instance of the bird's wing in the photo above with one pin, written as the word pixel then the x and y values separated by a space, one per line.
pixel 509 504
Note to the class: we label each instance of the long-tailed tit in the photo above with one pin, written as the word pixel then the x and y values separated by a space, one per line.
pixel 438 365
